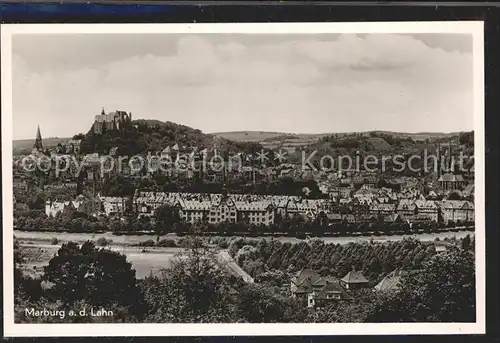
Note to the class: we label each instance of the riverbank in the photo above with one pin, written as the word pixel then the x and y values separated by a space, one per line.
pixel 131 240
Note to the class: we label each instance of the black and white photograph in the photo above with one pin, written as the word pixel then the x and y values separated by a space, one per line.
pixel 320 175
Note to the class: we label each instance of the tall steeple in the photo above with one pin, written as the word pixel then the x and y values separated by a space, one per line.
pixel 450 154
pixel 439 160
pixel 38 140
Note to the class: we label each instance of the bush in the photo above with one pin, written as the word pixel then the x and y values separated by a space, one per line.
pixel 54 241
pixel 148 243
pixel 166 243
pixel 183 243
pixel 223 244
pixel 102 241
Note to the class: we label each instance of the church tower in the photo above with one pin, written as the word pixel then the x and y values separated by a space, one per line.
pixel 38 140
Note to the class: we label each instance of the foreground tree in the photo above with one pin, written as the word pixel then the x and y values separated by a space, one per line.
pixel 98 277
pixel 261 304
pixel 194 289
pixel 165 218
pixel 442 291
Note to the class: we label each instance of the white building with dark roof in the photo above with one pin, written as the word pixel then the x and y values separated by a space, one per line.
pixel 456 210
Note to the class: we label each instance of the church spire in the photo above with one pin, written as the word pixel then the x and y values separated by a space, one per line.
pixel 38 140
pixel 450 154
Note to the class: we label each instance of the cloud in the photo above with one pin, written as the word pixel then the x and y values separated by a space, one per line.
pixel 301 84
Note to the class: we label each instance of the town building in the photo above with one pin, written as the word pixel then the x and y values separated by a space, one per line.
pixel 222 211
pixel 456 210
pixel 428 208
pixel 87 205
pixel 258 213
pixel 354 280
pixel 193 211
pixel 113 206
pixel 382 209
pixel 316 291
pixel 340 192
pixel 325 291
pixel 226 209
pixel 73 146
pixel 451 182
pixel 406 207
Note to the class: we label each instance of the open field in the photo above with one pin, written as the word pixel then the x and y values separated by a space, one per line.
pixel 38 255
pixel 144 260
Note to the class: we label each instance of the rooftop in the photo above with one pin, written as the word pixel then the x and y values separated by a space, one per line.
pixel 354 277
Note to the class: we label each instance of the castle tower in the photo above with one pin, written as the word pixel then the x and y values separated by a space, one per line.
pixel 38 140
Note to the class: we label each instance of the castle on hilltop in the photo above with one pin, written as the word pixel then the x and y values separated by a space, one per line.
pixel 110 121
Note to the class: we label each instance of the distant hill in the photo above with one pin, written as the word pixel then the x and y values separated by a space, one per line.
pixel 26 145
pixel 153 135
pixel 248 136
pixel 269 136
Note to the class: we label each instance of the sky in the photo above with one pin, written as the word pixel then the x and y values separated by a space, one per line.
pixel 229 82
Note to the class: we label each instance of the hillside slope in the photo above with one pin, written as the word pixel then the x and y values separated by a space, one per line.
pixel 143 136
pixel 26 145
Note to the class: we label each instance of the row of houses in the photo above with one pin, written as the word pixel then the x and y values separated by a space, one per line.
pixel 97 206
pixel 317 291
pixel 261 209
pixel 264 209
pixel 216 208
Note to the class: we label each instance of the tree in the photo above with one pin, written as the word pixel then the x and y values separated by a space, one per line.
pixel 466 243
pixel 442 291
pixel 353 311
pixel 261 304
pixel 37 201
pixel 165 217
pixel 193 290
pixel 18 262
pixel 99 277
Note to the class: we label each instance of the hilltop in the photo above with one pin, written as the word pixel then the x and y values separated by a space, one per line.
pixel 142 136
